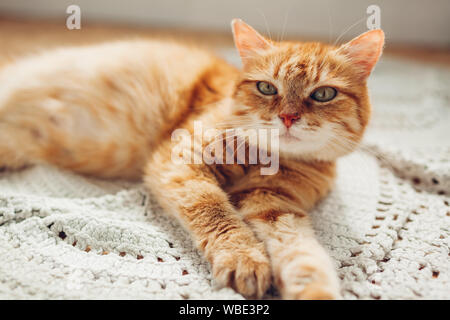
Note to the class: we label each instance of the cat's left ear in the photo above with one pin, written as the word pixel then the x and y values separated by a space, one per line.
pixel 364 51
pixel 248 41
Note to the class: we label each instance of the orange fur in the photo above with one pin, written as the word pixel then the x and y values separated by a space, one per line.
pixel 109 110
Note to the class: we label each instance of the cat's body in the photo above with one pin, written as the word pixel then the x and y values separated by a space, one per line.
pixel 102 109
pixel 109 111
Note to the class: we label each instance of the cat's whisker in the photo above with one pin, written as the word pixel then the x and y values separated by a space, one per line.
pixel 348 29
pixel 286 15
pixel 265 22
pixel 349 145
pixel 330 29
pixel 222 137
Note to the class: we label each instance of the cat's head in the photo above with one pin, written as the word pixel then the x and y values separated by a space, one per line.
pixel 315 94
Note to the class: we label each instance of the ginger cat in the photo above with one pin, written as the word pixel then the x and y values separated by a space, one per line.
pixel 109 111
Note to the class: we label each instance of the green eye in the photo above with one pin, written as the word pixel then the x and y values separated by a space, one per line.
pixel 266 88
pixel 324 94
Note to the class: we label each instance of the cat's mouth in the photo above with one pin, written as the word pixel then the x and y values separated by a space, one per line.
pixel 287 137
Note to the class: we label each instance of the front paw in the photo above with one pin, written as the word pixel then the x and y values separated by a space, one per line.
pixel 245 269
pixel 306 279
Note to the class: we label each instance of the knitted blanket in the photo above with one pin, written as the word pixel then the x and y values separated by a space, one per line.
pixel 386 223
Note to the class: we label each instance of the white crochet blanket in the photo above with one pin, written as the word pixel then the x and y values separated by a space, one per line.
pixel 386 224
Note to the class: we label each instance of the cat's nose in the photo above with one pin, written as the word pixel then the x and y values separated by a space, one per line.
pixel 289 118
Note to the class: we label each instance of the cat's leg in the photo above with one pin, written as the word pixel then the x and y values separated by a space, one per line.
pixel 192 194
pixel 301 267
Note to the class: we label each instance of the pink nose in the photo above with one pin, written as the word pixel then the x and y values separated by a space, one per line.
pixel 289 119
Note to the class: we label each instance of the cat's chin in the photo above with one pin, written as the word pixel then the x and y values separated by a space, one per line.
pixel 307 157
pixel 300 150
pixel 289 139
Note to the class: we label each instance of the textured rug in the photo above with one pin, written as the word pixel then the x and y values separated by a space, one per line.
pixel 386 224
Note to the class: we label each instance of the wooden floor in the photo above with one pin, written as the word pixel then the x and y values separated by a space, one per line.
pixel 23 36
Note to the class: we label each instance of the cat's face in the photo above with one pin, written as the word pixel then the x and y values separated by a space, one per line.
pixel 315 94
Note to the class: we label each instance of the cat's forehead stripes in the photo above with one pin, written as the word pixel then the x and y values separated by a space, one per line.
pixel 299 69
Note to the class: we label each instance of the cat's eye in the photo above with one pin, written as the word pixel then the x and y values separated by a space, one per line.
pixel 324 94
pixel 266 88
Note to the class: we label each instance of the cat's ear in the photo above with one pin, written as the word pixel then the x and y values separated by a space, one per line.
pixel 247 40
pixel 364 51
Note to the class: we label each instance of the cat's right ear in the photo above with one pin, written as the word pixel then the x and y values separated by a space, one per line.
pixel 248 41
pixel 364 51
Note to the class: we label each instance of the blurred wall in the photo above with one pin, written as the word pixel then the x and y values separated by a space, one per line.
pixel 419 22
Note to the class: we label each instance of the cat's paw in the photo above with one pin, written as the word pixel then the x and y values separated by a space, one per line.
pixel 309 280
pixel 246 270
